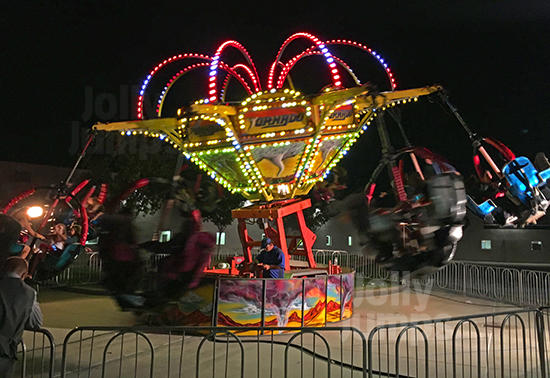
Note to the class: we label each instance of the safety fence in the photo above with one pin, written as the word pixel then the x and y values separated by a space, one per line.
pixel 508 285
pixel 505 344
pixel 522 287
pixel 35 355
pixel 86 269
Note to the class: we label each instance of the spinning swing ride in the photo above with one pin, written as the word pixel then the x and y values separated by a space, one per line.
pixel 275 145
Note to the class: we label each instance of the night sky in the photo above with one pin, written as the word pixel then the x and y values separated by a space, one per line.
pixel 492 57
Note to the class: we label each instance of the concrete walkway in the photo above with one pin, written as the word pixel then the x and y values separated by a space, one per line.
pixel 176 355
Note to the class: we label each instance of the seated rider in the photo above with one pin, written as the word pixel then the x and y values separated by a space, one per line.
pixel 54 245
pixel 122 262
pixel 19 248
pixel 271 260
pixel 24 220
pixel 58 237
pixel 183 270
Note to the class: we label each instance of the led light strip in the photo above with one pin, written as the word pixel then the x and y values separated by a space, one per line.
pixel 212 81
pixel 318 45
pixel 290 64
pixel 175 58
pixel 172 81
pixel 363 47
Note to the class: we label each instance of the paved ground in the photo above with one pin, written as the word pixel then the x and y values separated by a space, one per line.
pixel 65 310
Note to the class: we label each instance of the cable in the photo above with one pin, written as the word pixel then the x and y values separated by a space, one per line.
pixel 317 355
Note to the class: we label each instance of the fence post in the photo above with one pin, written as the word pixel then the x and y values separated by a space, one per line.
pixel 521 299
pixel 541 341
pixel 464 291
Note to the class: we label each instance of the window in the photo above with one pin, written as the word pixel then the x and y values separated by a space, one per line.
pixel 350 241
pixel 536 245
pixel 220 238
pixel 165 236
pixel 486 245
pixel 329 240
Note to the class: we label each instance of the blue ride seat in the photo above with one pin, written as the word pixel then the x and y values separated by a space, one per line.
pixel 522 176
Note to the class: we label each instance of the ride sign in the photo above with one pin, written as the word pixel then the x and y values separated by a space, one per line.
pixel 341 116
pixel 275 120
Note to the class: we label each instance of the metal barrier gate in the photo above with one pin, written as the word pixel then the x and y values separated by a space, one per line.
pixel 505 344
pixel 35 355
pixel 214 351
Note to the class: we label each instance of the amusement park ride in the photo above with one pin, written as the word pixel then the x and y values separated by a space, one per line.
pixel 275 145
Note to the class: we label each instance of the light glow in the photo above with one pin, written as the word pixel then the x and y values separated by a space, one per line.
pixel 35 212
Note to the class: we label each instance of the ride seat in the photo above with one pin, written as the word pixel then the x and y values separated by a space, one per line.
pixel 448 197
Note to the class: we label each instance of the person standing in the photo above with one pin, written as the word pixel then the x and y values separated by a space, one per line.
pixel 271 259
pixel 19 310
pixel 9 235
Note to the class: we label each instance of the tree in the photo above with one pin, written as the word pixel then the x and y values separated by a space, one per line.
pixel 197 191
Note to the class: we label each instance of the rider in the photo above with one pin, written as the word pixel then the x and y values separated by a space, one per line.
pixel 24 220
pixel 122 263
pixel 55 245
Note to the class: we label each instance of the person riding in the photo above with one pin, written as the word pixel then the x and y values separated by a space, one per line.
pixel 58 237
pixel 24 220
pixel 54 245
pixel 271 260
pixel 121 259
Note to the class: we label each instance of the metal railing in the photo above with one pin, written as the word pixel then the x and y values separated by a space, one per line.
pixel 507 344
pixel 508 285
pixel 498 344
pixel 35 355
pixel 214 351
pixel 502 344
pixel 516 286
pixel 87 268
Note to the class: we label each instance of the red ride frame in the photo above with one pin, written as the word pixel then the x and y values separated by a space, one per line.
pixel 276 211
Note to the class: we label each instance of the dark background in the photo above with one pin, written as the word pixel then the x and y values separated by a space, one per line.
pixel 492 56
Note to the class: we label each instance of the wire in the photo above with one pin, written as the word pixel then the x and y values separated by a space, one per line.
pixel 317 355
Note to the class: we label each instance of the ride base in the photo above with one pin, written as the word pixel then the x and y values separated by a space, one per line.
pixel 226 301
pixel 311 294
pixel 291 245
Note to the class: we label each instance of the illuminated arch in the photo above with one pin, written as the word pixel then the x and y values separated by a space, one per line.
pixel 212 84
pixel 228 78
pixel 172 81
pixel 319 45
pixel 175 58
pixel 147 80
pixel 247 69
pixel 289 65
pixel 341 63
pixel 363 47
